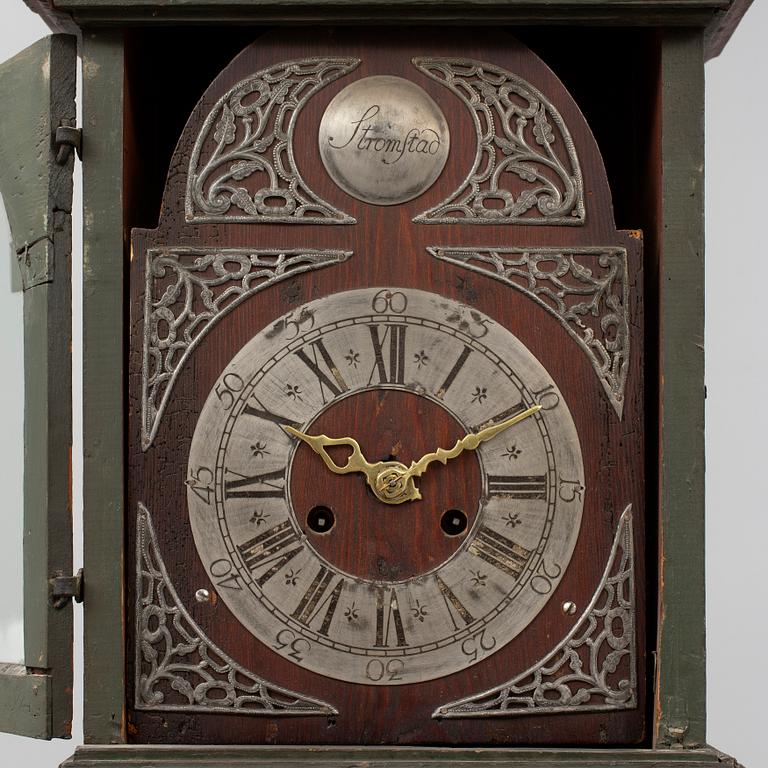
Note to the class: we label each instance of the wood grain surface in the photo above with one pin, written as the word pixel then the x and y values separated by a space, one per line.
pixel 388 249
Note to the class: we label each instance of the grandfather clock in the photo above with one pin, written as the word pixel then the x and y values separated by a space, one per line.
pixel 392 422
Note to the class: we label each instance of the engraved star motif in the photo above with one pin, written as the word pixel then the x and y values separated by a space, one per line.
pixel 259 450
pixel 259 517
pixel 479 579
pixel 512 519
pixel 419 611
pixel 293 391
pixel 512 452
pixel 352 358
pixel 480 394
pixel 292 577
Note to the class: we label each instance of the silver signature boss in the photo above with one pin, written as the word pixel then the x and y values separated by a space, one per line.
pixel 384 140
pixel 425 141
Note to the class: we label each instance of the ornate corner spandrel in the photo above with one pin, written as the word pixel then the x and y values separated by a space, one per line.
pixel 178 668
pixel 593 668
pixel 188 290
pixel 525 170
pixel 584 288
pixel 242 167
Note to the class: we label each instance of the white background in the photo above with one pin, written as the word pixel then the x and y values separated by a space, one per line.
pixel 737 417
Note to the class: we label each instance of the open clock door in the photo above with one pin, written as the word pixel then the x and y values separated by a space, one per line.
pixel 36 164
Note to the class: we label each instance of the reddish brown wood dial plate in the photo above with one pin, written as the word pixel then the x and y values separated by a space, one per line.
pixel 370 538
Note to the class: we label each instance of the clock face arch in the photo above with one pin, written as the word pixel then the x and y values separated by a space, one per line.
pixel 322 571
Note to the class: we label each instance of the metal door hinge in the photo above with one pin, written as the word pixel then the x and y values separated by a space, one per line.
pixel 36 262
pixel 68 138
pixel 66 588
pixel 677 736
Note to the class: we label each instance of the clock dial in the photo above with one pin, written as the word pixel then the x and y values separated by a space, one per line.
pixel 327 572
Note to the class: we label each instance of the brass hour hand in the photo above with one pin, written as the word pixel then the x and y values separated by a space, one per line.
pixel 467 443
pixel 356 461
pixel 382 476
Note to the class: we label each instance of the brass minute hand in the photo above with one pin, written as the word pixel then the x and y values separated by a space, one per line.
pixel 467 443
pixel 391 481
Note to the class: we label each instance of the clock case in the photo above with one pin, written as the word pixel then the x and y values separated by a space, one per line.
pixel 667 78
pixel 395 246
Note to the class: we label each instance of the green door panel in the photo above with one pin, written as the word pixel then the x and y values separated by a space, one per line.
pixel 36 186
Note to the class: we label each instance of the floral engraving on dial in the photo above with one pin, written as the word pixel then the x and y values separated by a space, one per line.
pixel 525 170
pixel 593 669
pixel 189 289
pixel 331 618
pixel 584 288
pixel 242 167
pixel 178 668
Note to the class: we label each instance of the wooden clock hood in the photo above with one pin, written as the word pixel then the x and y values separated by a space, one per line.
pixel 250 306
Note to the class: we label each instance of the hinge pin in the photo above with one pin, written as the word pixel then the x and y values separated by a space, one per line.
pixel 68 138
pixel 66 588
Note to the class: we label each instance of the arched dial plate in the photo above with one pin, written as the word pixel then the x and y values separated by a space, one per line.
pixel 249 489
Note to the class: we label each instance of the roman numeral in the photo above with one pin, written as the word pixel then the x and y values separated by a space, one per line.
pixel 388 616
pixel 453 604
pixel 499 417
pixel 454 372
pixel 518 486
pixel 394 337
pixel 331 378
pixel 499 551
pixel 270 548
pixel 258 410
pixel 312 601
pixel 255 486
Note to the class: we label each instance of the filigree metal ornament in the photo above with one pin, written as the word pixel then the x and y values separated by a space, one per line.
pixel 187 292
pixel 594 667
pixel 178 669
pixel 242 167
pixel 584 288
pixel 384 140
pixel 525 170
